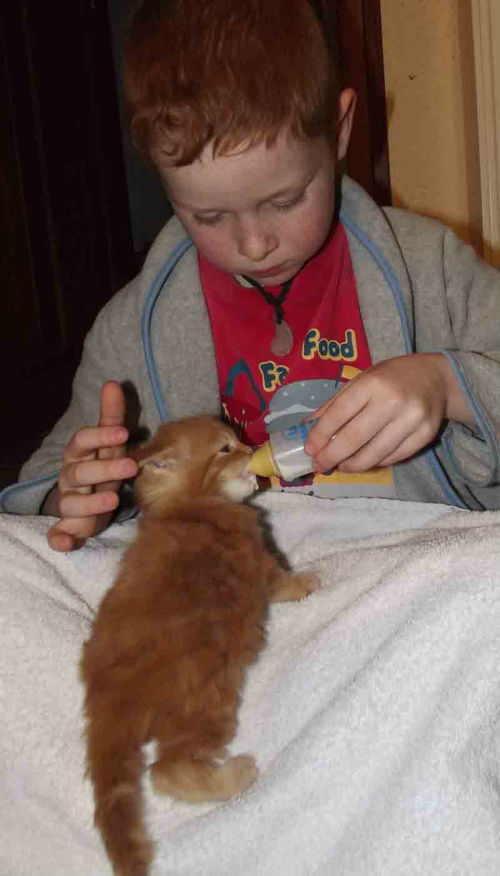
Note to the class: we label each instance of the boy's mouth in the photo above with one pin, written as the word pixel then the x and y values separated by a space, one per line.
pixel 270 272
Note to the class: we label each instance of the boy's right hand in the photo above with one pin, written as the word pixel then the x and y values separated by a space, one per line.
pixel 94 467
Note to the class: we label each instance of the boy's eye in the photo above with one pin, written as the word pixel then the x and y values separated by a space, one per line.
pixel 287 205
pixel 208 220
pixel 226 448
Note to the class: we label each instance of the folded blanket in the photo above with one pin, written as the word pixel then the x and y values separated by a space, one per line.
pixel 372 713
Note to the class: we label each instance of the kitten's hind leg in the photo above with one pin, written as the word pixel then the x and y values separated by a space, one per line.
pixel 196 781
pixel 284 585
pixel 290 586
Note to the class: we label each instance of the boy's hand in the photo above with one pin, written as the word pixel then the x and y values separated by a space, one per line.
pixel 94 467
pixel 386 414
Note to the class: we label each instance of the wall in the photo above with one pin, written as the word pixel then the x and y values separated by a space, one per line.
pixel 432 111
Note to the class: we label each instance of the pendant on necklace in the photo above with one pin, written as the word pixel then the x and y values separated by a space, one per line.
pixel 282 342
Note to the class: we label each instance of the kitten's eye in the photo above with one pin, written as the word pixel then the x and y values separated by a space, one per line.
pixel 226 448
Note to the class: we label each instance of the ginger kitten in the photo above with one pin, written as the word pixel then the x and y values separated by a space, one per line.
pixel 174 634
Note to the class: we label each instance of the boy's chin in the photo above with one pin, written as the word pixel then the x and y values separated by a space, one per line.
pixel 279 280
pixel 276 279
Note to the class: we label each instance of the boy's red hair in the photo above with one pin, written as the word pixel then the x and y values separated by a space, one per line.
pixel 231 72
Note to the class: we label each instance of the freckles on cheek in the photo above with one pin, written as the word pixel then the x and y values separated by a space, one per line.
pixel 324 221
pixel 213 250
pixel 313 229
pixel 208 248
pixel 198 234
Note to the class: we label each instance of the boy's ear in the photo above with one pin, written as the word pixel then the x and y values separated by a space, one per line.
pixel 347 108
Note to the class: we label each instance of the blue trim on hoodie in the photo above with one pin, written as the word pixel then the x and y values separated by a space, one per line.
pixel 429 454
pixel 13 488
pixel 486 430
pixel 147 319
pixel 389 275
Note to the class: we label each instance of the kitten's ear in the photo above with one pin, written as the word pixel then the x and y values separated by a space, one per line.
pixel 160 464
pixel 150 459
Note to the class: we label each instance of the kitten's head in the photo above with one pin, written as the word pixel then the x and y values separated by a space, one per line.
pixel 193 458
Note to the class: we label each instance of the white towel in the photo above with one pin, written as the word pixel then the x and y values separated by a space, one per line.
pixel 373 712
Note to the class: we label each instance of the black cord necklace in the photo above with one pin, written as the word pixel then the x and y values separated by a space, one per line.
pixel 282 342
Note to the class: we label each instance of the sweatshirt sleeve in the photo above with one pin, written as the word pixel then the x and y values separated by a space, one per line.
pixel 473 297
pixel 102 359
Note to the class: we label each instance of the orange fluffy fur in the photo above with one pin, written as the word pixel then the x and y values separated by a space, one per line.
pixel 174 634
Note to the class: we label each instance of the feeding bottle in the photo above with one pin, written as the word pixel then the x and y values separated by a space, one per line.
pixel 283 455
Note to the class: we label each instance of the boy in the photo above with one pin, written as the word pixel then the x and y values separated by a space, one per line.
pixel 297 295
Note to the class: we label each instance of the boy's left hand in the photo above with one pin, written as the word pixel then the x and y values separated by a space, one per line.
pixel 386 414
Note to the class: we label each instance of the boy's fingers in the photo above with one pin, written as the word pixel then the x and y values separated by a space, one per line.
pixel 377 448
pixel 411 445
pixel 60 541
pixel 334 414
pixel 90 472
pixel 70 533
pixel 64 542
pixel 91 439
pixel 77 505
pixel 363 441
pixel 331 423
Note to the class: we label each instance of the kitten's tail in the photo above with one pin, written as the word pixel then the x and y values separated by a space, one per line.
pixel 115 763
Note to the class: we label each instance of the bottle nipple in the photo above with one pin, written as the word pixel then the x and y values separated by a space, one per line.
pixel 262 462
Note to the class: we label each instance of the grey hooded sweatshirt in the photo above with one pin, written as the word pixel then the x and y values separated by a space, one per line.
pixel 420 290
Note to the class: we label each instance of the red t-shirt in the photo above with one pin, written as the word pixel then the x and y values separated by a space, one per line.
pixel 322 311
pixel 261 392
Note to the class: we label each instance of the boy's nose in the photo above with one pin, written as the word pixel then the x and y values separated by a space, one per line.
pixel 256 243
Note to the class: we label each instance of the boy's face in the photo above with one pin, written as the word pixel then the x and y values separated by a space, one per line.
pixel 262 212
